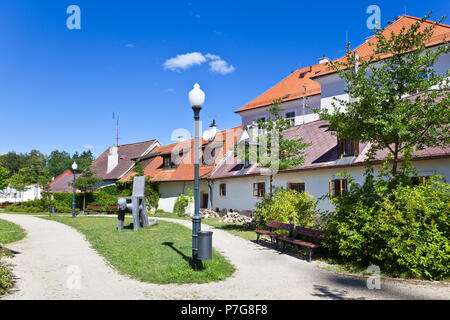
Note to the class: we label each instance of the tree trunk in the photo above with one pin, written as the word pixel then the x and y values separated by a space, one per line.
pixel 271 185
pixel 84 201
pixel 394 167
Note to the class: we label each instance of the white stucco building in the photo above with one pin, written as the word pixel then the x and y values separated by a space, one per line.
pixel 239 187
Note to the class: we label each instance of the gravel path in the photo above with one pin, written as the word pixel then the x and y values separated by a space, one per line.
pixel 51 251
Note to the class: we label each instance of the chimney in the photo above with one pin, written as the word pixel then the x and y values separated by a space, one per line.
pixel 113 158
pixel 180 138
pixel 213 124
pixel 323 60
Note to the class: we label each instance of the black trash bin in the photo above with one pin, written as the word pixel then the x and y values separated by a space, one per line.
pixel 52 209
pixel 205 245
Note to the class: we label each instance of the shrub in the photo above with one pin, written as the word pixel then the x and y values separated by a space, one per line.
pixel 6 280
pixel 404 230
pixel 182 202
pixel 287 206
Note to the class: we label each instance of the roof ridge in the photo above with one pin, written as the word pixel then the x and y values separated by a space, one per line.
pixel 127 144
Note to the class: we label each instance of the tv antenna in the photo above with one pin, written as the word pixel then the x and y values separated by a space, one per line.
pixel 116 117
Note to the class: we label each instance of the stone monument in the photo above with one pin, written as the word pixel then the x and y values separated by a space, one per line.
pixel 136 205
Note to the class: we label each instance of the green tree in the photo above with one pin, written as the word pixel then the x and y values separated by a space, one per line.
pixel 84 160
pixel 58 162
pixel 86 182
pixel 378 112
pixel 4 174
pixel 13 162
pixel 274 151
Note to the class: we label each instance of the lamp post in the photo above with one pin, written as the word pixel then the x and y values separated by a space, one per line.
pixel 74 167
pixel 196 99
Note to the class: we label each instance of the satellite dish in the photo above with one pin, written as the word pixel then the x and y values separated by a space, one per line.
pixel 211 132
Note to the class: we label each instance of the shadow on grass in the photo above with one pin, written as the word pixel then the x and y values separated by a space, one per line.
pixel 198 266
pixel 10 250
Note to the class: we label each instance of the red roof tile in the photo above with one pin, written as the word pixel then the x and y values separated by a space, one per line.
pixel 290 88
pixel 323 153
pixel 153 162
pixel 126 153
pixel 440 34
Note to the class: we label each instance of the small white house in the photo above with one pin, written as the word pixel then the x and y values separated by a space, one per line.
pixel 32 192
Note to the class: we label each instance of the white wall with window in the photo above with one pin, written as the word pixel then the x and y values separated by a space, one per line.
pixel 293 107
pixel 318 183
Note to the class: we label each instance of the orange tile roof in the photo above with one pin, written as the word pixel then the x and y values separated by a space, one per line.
pixel 441 33
pixel 290 88
pixel 153 162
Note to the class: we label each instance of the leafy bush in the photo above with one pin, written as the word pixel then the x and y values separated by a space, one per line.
pixel 287 206
pixel 182 202
pixel 6 280
pixel 404 230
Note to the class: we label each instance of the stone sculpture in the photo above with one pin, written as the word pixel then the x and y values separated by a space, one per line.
pixel 136 206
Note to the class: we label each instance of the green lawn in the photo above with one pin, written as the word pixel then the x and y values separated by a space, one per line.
pixel 159 254
pixel 232 228
pixel 10 232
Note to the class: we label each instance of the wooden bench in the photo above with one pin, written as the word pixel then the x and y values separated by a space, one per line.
pixel 93 209
pixel 272 227
pixel 293 238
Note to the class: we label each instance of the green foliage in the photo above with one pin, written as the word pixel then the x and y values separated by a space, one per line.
pixel 6 279
pixel 182 202
pixel 378 112
pixel 152 195
pixel 274 151
pixel 9 232
pixel 286 206
pixel 138 168
pixel 404 230
pixel 4 174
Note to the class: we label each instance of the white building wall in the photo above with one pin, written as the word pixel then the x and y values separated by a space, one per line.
pixel 12 195
pixel 239 190
pixel 301 114
pixel 170 190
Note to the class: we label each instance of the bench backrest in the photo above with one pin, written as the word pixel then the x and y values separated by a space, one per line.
pixel 311 233
pixel 280 226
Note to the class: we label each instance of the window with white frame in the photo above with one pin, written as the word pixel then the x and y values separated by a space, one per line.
pixel 291 116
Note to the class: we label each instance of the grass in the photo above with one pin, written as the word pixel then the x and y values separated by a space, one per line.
pixel 159 254
pixel 233 228
pixel 10 232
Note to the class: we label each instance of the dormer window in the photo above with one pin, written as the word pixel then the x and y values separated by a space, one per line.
pixel 167 162
pixel 348 148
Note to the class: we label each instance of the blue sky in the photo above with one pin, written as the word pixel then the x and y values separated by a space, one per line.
pixel 60 87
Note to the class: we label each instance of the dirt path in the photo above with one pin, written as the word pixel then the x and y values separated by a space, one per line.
pixel 50 256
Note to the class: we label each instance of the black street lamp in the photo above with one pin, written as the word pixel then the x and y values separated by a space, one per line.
pixel 196 99
pixel 74 167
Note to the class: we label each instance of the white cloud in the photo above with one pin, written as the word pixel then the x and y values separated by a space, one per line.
pixel 188 60
pixel 88 146
pixel 184 61
pixel 129 45
pixel 170 90
pixel 220 66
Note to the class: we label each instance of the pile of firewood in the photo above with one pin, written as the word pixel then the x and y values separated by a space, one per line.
pixel 235 217
pixel 206 214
